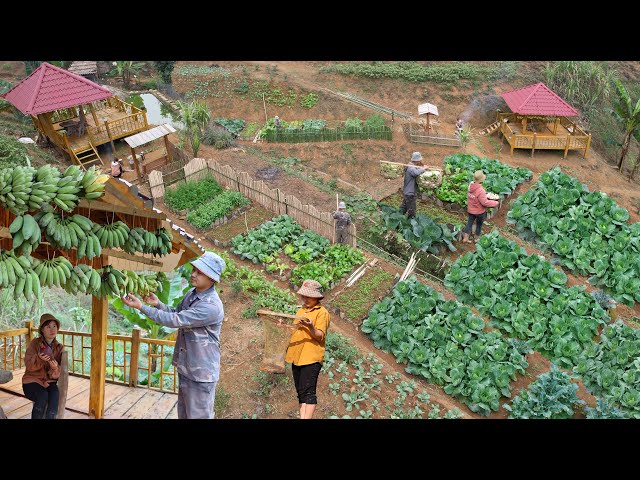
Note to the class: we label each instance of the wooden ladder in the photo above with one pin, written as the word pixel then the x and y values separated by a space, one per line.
pixel 87 157
pixel 488 130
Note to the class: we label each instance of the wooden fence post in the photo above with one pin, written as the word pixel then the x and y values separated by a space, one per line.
pixel 28 325
pixel 99 319
pixel 135 351
pixel 566 149
pixel 156 184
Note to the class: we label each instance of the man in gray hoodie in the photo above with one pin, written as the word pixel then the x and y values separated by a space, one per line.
pixel 410 188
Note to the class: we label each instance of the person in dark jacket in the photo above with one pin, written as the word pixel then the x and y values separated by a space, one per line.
pixel 198 318
pixel 477 204
pixel 410 187
pixel 42 369
pixel 343 220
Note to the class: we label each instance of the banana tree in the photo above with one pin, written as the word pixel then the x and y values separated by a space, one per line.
pixel 125 69
pixel 195 117
pixel 173 291
pixel 628 114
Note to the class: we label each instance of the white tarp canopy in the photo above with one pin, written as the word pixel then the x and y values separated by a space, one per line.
pixel 427 108
pixel 149 135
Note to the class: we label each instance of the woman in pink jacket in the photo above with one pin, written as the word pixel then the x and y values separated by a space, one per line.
pixel 477 204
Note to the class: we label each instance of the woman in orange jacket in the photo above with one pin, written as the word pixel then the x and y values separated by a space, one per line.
pixel 42 362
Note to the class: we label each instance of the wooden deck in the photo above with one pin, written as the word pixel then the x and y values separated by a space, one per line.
pixel 119 401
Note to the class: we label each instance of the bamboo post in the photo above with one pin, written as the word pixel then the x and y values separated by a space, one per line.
pixel 93 114
pixel 28 325
pixel 137 165
pixel 533 145
pixel 524 125
pixel 584 155
pixel 99 320
pixel 264 104
pixel 566 148
pixel 135 352
pixel 106 125
pixel 555 125
pixel 63 384
pixel 166 146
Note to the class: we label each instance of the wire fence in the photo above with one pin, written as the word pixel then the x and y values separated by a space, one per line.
pixel 327 134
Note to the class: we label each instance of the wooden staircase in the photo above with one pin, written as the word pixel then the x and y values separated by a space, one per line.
pixel 87 157
pixel 488 130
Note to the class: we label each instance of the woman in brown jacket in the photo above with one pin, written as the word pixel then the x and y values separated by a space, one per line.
pixel 42 362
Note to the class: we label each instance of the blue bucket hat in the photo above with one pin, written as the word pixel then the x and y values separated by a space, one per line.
pixel 416 157
pixel 211 265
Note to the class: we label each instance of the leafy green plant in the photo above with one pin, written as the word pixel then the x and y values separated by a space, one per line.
pixel 588 231
pixel 12 152
pixel 375 121
pixel 165 69
pixel 604 411
pixel 207 213
pixel 552 395
pixel 309 100
pixel 609 368
pixel 444 342
pixel 527 298
pixel 234 125
pixel 192 194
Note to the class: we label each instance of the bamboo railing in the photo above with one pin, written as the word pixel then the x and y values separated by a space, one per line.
pixel 125 357
pixel 575 139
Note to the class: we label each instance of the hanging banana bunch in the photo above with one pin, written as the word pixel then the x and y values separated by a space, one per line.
pixel 16 270
pixel 93 184
pixel 55 271
pixel 68 189
pixel 113 282
pixel 142 284
pixel 84 279
pixel 15 188
pixel 26 234
pixel 135 241
pixel 112 235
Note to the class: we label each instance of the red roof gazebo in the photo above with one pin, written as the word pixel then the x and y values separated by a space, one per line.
pixel 56 99
pixel 540 120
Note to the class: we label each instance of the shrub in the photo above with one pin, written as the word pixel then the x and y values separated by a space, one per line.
pixel 218 136
pixel 234 125
pixel 150 84
pixel 353 124
pixel 12 152
pixel 375 121
pixel 192 194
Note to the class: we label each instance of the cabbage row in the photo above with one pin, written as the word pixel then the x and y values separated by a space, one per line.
pixel 317 259
pixel 527 298
pixel 501 179
pixel 445 343
pixel 589 232
pixel 611 368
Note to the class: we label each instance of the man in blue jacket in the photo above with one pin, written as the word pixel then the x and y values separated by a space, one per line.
pixel 198 318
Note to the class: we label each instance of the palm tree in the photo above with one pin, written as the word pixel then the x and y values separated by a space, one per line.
pixel 626 113
pixel 195 117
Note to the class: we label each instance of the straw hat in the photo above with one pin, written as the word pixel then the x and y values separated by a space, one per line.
pixel 479 176
pixel 310 288
pixel 46 318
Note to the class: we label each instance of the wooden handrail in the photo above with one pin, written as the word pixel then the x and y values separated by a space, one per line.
pixel 14 332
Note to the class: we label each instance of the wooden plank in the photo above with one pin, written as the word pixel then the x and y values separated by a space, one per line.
pixel 109 207
pixel 99 321
pixel 173 414
pixel 162 406
pixel 133 258
pixel 124 403
pixel 143 405
pixel 11 404
pixel 113 393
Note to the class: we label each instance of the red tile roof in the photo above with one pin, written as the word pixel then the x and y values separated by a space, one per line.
pixel 51 88
pixel 538 99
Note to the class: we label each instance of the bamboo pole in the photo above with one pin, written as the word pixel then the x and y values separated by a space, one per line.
pixel 99 320
pixel 63 384
pixel 135 352
pixel 135 162
pixel 29 335
pixel 264 104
